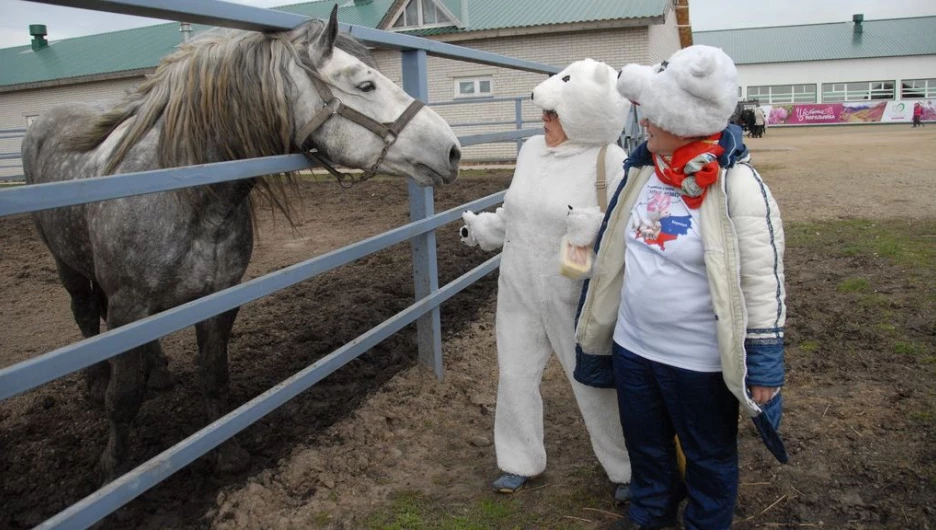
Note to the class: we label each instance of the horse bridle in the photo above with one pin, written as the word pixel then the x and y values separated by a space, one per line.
pixel 388 132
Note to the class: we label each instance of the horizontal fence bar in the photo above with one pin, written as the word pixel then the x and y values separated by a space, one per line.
pixel 126 488
pixel 469 101
pixel 239 16
pixel 483 123
pixel 21 131
pixel 488 138
pixel 10 156
pixel 13 178
pixel 71 192
pixel 10 136
pixel 34 372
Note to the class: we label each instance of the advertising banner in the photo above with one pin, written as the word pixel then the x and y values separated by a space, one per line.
pixel 850 112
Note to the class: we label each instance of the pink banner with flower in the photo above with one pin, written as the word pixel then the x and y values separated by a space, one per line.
pixel 851 112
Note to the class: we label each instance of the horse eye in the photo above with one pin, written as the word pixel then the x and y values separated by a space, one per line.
pixel 566 79
pixel 367 86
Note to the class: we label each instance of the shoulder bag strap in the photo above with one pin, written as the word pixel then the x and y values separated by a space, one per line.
pixel 601 184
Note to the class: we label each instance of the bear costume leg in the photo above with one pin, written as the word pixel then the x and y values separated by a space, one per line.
pixel 523 350
pixel 599 406
pixel 522 354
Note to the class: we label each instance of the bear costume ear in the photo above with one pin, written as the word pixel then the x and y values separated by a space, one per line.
pixel 702 65
pixel 600 74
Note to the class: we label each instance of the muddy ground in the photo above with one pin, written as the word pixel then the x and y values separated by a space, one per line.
pixel 860 408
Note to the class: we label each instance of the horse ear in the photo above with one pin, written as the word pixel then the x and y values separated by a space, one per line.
pixel 321 48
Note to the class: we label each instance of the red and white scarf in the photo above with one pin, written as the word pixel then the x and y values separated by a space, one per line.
pixel 692 169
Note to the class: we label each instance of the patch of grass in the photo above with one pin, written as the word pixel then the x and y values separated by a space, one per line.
pixel 404 513
pixel 908 348
pixel 410 511
pixel 854 285
pixel 887 327
pixel 809 346
pixel 905 242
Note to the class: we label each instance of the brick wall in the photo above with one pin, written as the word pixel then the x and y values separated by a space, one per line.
pixel 663 40
pixel 15 107
pixel 615 47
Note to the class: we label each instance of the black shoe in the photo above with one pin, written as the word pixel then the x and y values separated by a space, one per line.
pixel 622 493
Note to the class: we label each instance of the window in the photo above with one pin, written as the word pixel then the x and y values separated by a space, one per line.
pixel 421 13
pixel 474 87
pixel 782 94
pixel 858 91
pixel 917 88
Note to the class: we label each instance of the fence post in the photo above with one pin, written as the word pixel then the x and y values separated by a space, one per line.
pixel 518 116
pixel 425 267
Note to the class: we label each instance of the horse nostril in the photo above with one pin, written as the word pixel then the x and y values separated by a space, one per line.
pixel 454 156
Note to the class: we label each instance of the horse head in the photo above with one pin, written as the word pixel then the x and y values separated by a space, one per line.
pixel 358 118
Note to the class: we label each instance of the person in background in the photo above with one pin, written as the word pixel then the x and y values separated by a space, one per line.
pixel 759 121
pixel 553 197
pixel 917 114
pixel 685 311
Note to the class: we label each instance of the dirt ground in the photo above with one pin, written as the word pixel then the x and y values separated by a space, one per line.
pixel 342 454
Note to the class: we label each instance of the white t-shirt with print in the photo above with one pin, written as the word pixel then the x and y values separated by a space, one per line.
pixel 666 312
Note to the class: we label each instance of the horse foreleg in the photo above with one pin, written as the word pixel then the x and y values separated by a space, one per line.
pixel 213 335
pixel 124 392
pixel 88 304
pixel 156 367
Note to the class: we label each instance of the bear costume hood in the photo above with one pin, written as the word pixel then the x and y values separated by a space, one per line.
pixel 692 94
pixel 590 109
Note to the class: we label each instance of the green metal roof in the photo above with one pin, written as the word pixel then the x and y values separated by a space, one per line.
pixel 819 42
pixel 142 48
pixel 503 14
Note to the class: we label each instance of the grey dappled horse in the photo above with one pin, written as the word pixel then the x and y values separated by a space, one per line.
pixel 227 95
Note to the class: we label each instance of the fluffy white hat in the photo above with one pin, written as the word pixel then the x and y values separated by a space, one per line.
pixel 692 94
pixel 590 110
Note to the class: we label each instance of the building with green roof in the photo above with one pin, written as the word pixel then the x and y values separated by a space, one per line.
pixel 855 60
pixel 556 32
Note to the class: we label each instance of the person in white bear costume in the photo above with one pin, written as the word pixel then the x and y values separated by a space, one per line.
pixel 553 194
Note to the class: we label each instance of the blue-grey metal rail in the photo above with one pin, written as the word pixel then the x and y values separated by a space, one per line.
pixel 420 231
pixel 37 371
pixel 111 497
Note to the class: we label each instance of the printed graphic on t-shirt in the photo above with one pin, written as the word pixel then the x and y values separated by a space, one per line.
pixel 653 222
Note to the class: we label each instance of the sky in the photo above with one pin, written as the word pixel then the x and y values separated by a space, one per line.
pixel 63 22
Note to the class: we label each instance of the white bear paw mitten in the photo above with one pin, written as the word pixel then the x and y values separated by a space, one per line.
pixel 582 225
pixel 466 232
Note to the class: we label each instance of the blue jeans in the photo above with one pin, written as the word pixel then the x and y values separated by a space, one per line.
pixel 658 401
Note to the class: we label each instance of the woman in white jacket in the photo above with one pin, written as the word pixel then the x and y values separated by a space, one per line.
pixel 582 113
pixel 685 309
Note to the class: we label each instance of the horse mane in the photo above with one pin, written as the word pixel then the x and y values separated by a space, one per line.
pixel 222 96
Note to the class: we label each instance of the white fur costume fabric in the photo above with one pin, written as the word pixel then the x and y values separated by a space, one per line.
pixel 535 304
pixel 691 94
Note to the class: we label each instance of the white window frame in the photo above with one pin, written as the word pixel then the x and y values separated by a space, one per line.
pixel 477 80
pixel 858 91
pixel 440 10
pixel 919 88
pixel 780 94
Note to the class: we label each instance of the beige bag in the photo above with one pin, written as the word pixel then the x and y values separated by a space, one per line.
pixel 575 262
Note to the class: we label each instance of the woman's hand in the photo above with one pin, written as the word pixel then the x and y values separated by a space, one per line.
pixel 763 394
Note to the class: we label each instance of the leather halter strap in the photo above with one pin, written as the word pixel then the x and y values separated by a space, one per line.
pixel 388 132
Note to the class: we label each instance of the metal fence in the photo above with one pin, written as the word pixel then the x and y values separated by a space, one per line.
pixel 420 232
pixel 11 164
